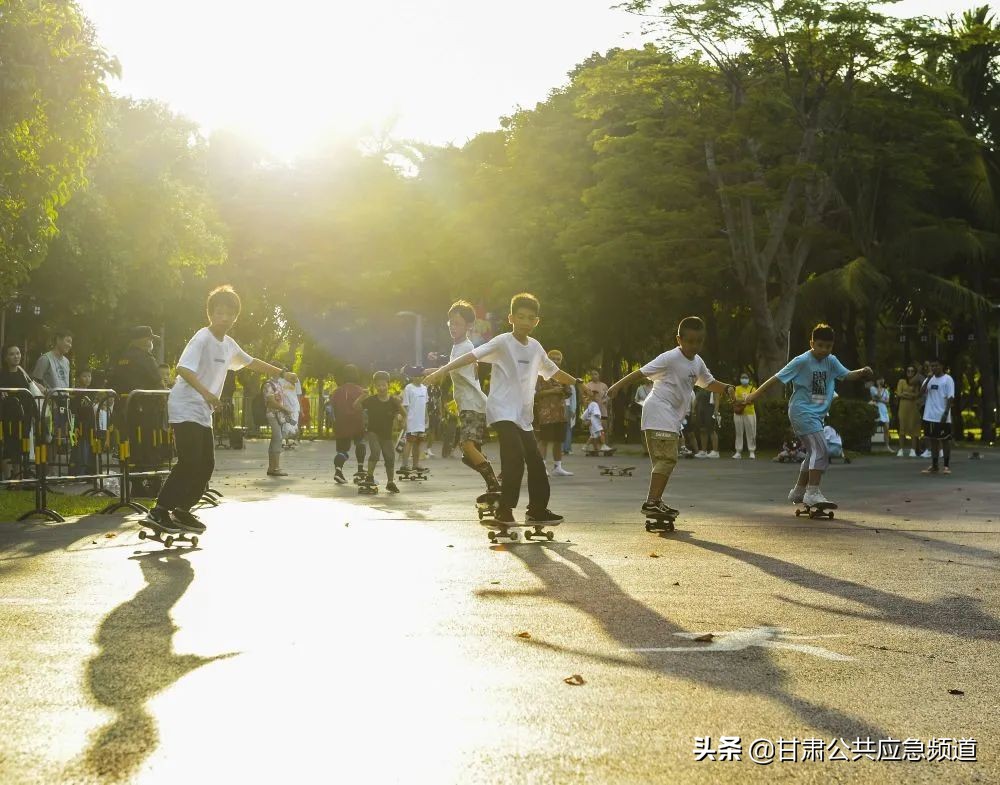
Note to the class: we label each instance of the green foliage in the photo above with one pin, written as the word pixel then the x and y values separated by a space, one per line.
pixel 855 422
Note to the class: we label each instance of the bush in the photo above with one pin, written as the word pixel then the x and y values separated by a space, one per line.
pixel 854 421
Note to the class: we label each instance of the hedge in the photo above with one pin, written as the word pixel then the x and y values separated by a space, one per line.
pixel 854 421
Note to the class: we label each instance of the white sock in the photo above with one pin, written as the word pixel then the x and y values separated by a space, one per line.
pixel 556 464
pixel 812 488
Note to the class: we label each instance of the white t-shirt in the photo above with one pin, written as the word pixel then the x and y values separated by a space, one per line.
pixel 830 436
pixel 674 377
pixel 209 359
pixel 516 368
pixel 415 403
pixel 939 390
pixel 468 394
pixel 592 416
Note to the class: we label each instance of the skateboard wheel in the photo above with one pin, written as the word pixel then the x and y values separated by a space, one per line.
pixel 169 541
pixel 513 536
pixel 649 527
pixel 528 535
pixel 142 534
pixel 194 542
pixel 549 536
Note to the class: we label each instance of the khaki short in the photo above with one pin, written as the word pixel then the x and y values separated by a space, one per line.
pixel 663 447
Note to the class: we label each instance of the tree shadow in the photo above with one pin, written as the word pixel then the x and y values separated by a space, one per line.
pixel 960 615
pixel 135 663
pixel 25 541
pixel 632 624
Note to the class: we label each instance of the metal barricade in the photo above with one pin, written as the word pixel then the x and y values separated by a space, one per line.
pixel 145 444
pixel 19 422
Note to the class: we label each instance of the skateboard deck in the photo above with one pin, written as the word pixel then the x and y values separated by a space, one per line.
pixel 617 471
pixel 412 474
pixel 486 507
pixel 816 510
pixel 600 454
pixel 659 523
pixel 358 478
pixel 367 487
pixel 167 540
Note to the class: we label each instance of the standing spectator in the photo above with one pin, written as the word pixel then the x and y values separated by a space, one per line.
pixel 597 391
pixel 291 391
pixel 922 375
pixel 82 408
pixel 908 394
pixel 15 414
pixel 276 415
pixel 415 405
pixel 550 413
pixel 879 398
pixel 571 409
pixel 52 372
pixel 939 388
pixel 745 424
pixel 305 409
pixel 706 415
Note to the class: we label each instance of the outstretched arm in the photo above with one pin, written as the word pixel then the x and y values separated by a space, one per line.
pixel 624 382
pixel 434 377
pixel 860 373
pixel 774 381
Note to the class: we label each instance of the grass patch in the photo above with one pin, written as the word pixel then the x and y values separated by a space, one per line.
pixel 13 504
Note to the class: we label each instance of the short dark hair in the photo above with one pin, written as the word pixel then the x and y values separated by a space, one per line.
pixel 525 300
pixel 61 333
pixel 823 332
pixel 693 324
pixel 348 374
pixel 380 376
pixel 223 295
pixel 464 309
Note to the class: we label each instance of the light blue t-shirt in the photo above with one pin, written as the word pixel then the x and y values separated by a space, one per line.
pixel 812 395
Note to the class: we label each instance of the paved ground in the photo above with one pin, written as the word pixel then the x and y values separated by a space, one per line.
pixel 319 636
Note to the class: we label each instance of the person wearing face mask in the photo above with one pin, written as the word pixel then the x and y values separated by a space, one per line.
pixel 745 423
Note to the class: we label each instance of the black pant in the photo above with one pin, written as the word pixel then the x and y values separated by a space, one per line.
pixel 517 449
pixel 344 444
pixel 189 478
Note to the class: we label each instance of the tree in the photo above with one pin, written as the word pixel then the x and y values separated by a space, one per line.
pixel 52 92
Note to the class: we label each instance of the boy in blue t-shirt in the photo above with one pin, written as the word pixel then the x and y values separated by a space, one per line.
pixel 814 375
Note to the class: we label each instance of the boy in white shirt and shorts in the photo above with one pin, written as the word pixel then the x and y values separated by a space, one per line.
pixel 518 360
pixel 674 375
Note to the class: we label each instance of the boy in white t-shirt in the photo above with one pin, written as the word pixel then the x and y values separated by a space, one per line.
pixel 674 375
pixel 415 406
pixel 939 388
pixel 518 360
pixel 469 396
pixel 201 373
pixel 592 418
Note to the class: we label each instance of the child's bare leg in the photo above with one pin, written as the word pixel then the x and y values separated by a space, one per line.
pixel 406 451
pixel 416 453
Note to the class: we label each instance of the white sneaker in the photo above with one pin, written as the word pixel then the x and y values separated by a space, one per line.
pixel 737 456
pixel 605 448
pixel 429 454
pixel 701 454
pixel 815 497
pixel 796 495
pixel 913 453
pixel 559 471
pixel 753 456
pixel 713 454
pixel 901 453
pixel 925 454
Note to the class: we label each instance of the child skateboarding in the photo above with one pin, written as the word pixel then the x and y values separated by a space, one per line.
pixel 518 360
pixel 674 375
pixel 814 375
pixel 382 410
pixel 415 406
pixel 201 374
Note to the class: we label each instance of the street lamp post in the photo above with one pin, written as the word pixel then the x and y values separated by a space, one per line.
pixel 418 335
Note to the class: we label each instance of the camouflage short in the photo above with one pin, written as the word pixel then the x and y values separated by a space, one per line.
pixel 472 426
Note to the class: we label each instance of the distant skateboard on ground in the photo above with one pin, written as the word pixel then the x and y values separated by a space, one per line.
pixel 412 474
pixel 816 510
pixel 486 507
pixel 590 453
pixel 617 471
pixel 659 522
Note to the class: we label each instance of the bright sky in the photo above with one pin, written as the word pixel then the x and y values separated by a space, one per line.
pixel 291 73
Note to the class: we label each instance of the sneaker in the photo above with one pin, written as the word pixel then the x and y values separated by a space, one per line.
pixel 930 470
pixel 713 454
pixel 815 497
pixel 544 516
pixel 404 469
pixel 158 519
pixel 276 473
pixel 701 454
pixel 901 453
pixel 753 456
pixel 392 487
pixel 559 471
pixel 913 453
pixel 797 494
pixel 504 515
pixel 188 520
pixel 658 508
pixel 737 456
pixel 338 476
pixel 925 454
pixel 946 470
pixel 605 448
pixel 429 454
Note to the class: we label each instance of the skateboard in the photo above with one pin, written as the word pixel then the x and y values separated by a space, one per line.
pixel 816 510
pixel 367 486
pixel 600 454
pixel 655 522
pixel 166 538
pixel 486 507
pixel 412 474
pixel 359 477
pixel 617 471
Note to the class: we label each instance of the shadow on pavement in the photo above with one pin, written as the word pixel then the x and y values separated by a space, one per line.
pixel 633 625
pixel 136 662
pixel 959 615
pixel 24 541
